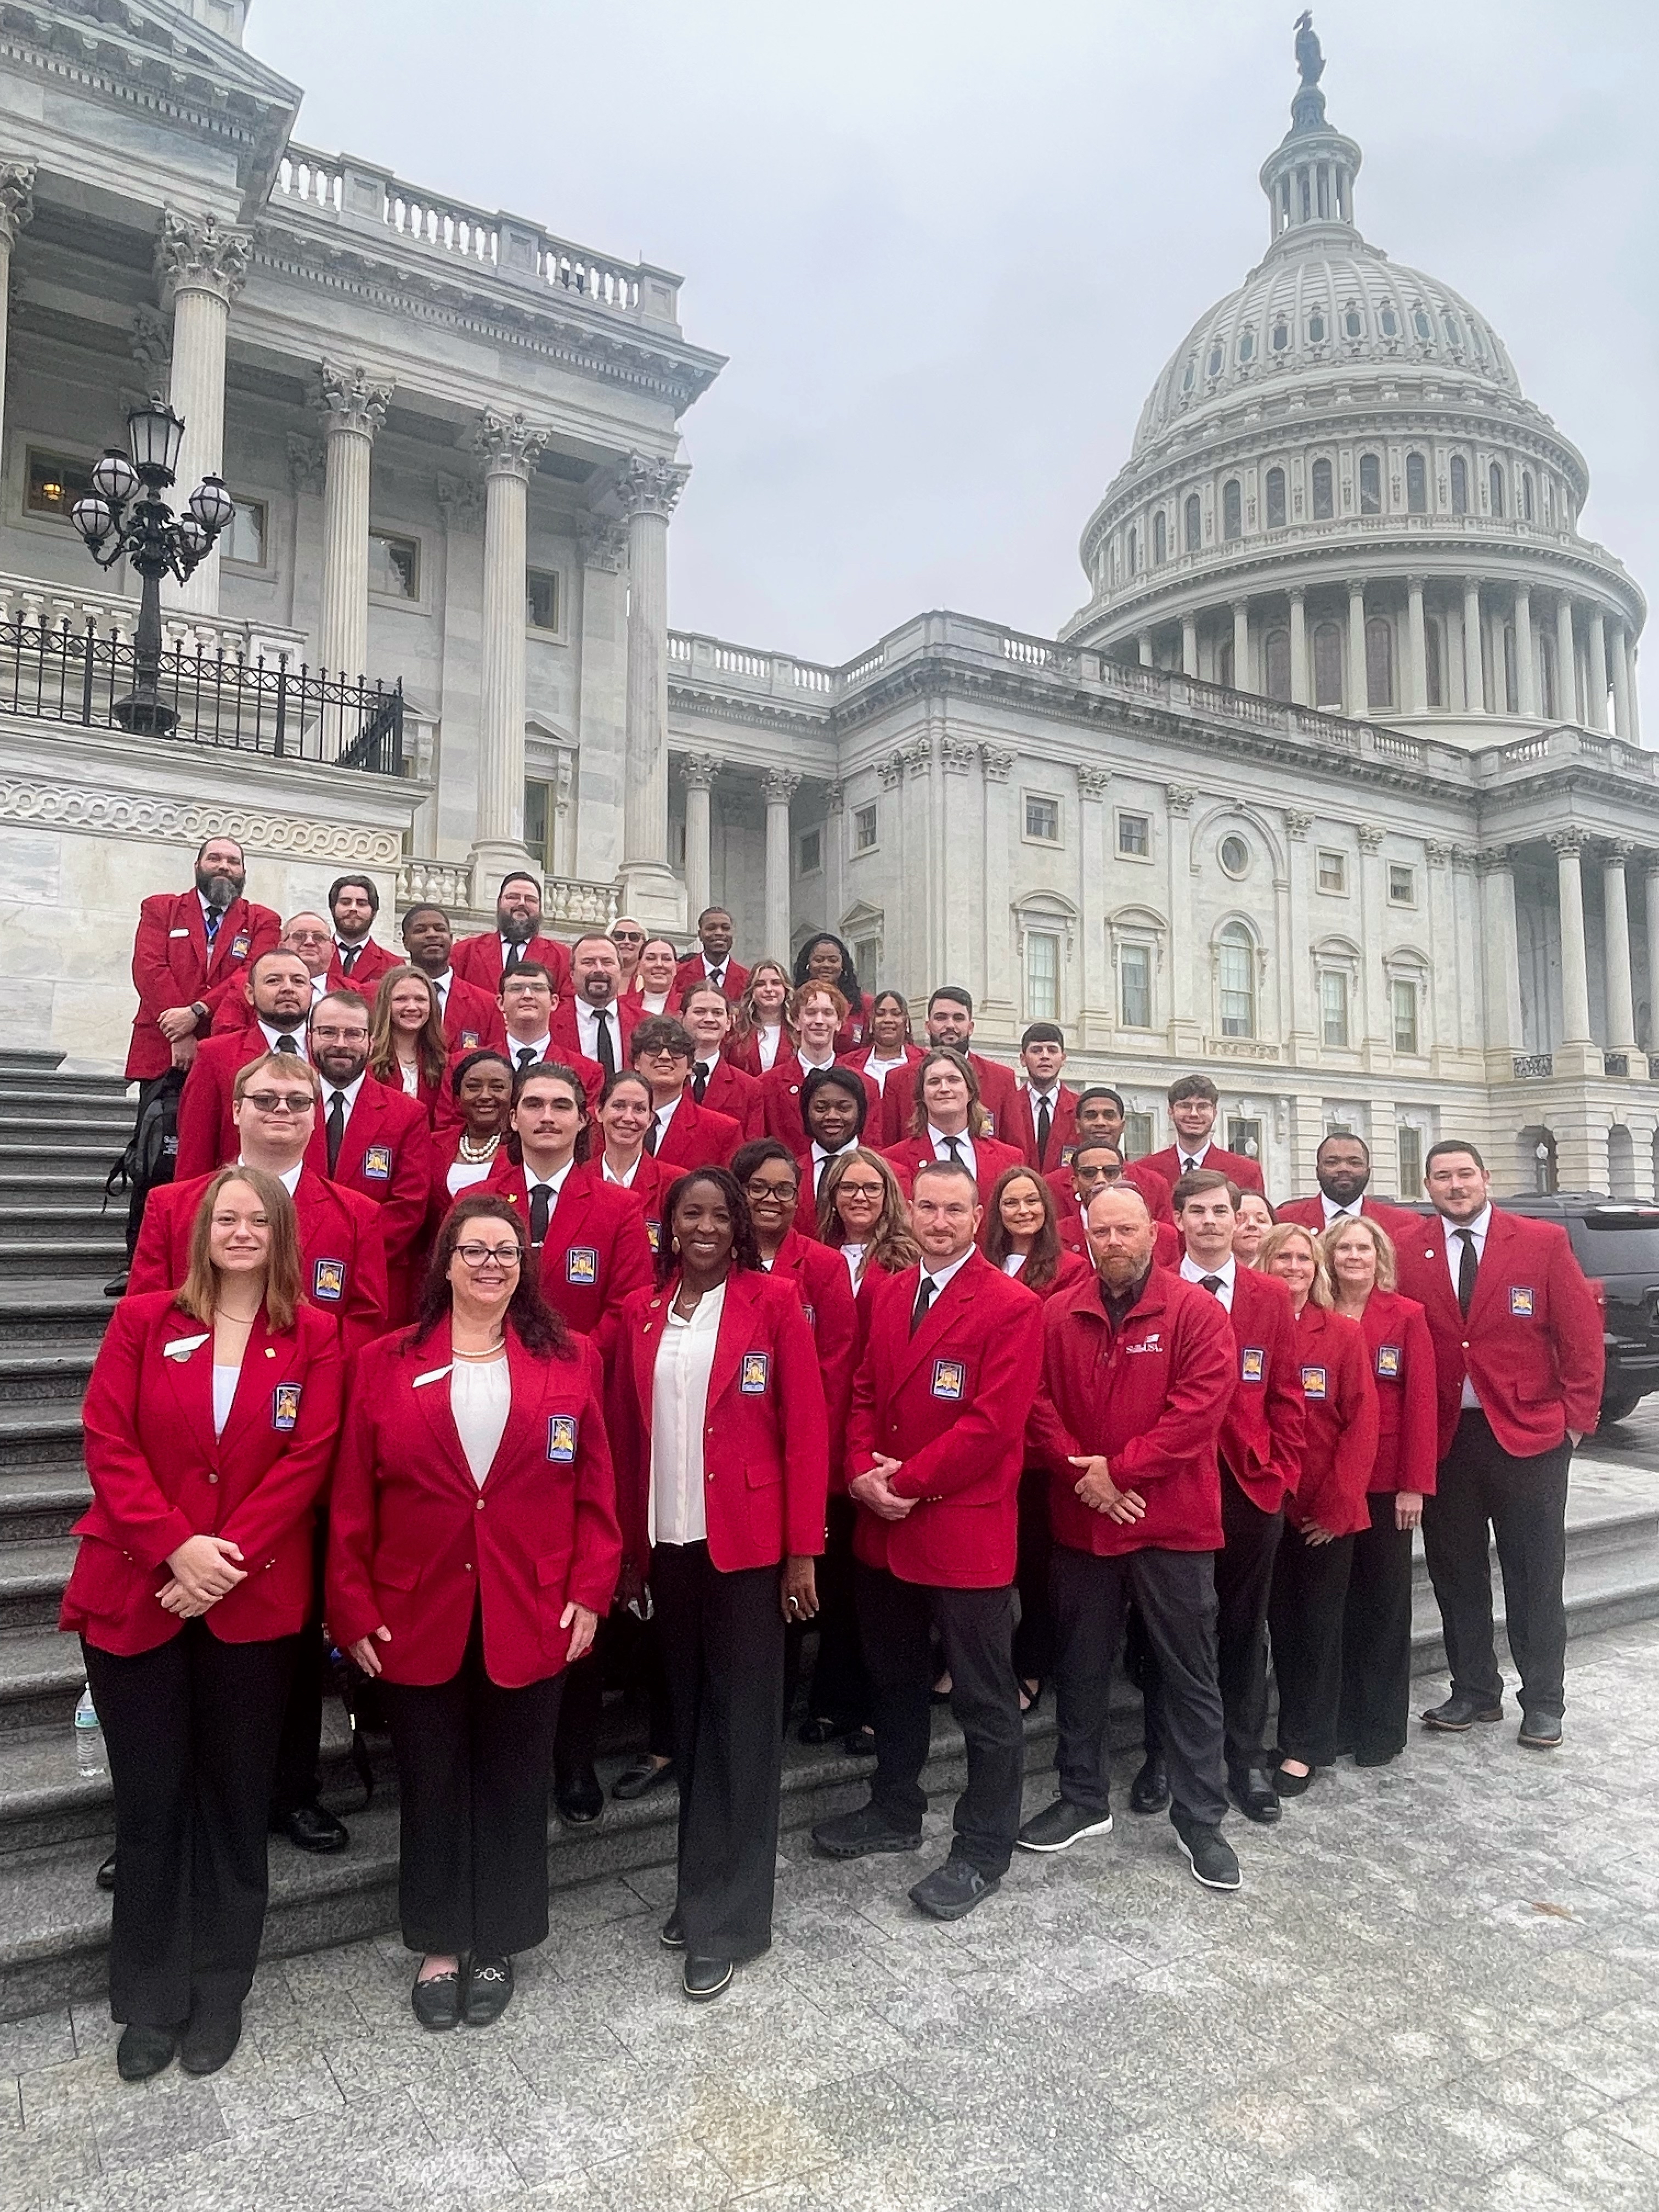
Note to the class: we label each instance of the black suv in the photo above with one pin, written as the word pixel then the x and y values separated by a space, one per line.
pixel 1616 1242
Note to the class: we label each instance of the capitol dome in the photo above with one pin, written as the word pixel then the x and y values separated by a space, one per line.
pixel 1338 495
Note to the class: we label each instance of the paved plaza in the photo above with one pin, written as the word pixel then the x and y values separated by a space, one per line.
pixel 1439 1987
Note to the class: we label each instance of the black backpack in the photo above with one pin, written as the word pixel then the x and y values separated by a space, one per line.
pixel 151 1152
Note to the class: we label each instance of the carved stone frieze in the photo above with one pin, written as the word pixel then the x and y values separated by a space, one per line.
pixel 66 805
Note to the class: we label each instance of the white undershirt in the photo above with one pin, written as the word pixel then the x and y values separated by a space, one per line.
pixel 654 1002
pixel 1477 1228
pixel 1225 1274
pixel 224 1392
pixel 1014 1261
pixel 679 1407
pixel 409 1073
pixel 881 1069
pixel 767 1042
pixel 854 1255
pixel 480 1399
pixel 623 1181
pixel 462 1174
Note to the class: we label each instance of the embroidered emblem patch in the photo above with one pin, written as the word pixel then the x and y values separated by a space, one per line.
pixel 468 1040
pixel 285 1407
pixel 1390 1359
pixel 1313 1382
pixel 1252 1363
pixel 328 1280
pixel 562 1438
pixel 1520 1301
pixel 377 1163
pixel 240 945
pixel 582 1264
pixel 653 1234
pixel 757 1372
pixel 950 1378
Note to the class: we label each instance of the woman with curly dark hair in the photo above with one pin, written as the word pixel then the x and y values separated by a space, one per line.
pixel 825 959
pixel 722 1451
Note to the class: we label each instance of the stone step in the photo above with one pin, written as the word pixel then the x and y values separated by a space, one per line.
pixel 84 1253
pixel 40 1501
pixel 33 1574
pixel 41 1679
pixel 41 1372
pixel 96 1094
pixel 54 1310
pixel 46 1151
pixel 43 1188
pixel 40 1435
pixel 79 1126
pixel 42 1071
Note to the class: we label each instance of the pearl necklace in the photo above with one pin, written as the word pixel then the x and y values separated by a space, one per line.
pixel 475 1154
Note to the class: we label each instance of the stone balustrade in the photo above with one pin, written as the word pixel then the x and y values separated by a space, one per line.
pixel 567 902
pixel 72 606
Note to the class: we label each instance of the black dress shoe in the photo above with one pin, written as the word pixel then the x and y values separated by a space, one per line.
pixel 309 1828
pixel 639 1779
pixel 143 2051
pixel 1059 1825
pixel 703 1978
pixel 209 2040
pixel 954 1889
pixel 437 2000
pixel 1459 1713
pixel 1150 1791
pixel 579 1798
pixel 488 1991
pixel 861 1741
pixel 116 1288
pixel 819 1730
pixel 105 1876
pixel 856 1835
pixel 670 1934
pixel 1254 1794
pixel 1540 1732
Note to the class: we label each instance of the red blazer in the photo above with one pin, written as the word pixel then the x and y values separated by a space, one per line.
pixel 414 1544
pixel 1401 1353
pixel 855 1029
pixel 1262 1437
pixel 1340 1437
pixel 1074 1267
pixel 427 1096
pixel 342 1250
pixel 470 1013
pixel 596 1253
pixel 744 1054
pixel 386 1157
pixel 172 967
pixel 780 1108
pixel 372 962
pixel 1244 1170
pixel 650 1186
pixel 1310 1213
pixel 697 1137
pixel 207 1134
pixel 448 1111
pixel 1167 1247
pixel 990 1160
pixel 765 1445
pixel 1020 1129
pixel 691 972
pixel 159 1474
pixel 564 1033
pixel 1152 1399
pixel 903 1081
pixel 997 1089
pixel 1532 1345
pixel 738 1095
pixel 1147 1181
pixel 826 1297
pixel 951 1402
pixel 477 960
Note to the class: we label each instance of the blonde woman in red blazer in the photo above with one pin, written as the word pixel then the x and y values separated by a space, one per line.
pixel 472 1548
pixel 723 1452
pixel 211 1422
pixel 1323 1515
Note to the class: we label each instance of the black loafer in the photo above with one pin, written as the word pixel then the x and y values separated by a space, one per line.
pixel 1292 1785
pixel 437 2000
pixel 579 1798
pixel 210 2040
pixel 670 1934
pixel 639 1779
pixel 819 1730
pixel 954 1889
pixel 1254 1794
pixel 116 1288
pixel 1150 1791
pixel 105 1876
pixel 861 1741
pixel 309 1828
pixel 857 1835
pixel 1459 1713
pixel 703 1978
pixel 142 2051
pixel 1540 1732
pixel 488 1991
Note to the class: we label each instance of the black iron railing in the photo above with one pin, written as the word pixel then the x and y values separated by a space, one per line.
pixel 64 674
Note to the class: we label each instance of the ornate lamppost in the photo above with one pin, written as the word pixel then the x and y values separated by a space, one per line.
pixel 157 541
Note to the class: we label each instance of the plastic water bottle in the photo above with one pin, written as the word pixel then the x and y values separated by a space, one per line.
pixel 88 1735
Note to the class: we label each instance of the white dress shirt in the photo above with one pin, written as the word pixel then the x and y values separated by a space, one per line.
pixel 1333 1212
pixel 555 1182
pixel 679 1408
pixel 1014 1261
pixel 1225 1274
pixel 480 1399
pixel 821 1160
pixel 881 1069
pixel 663 1116
pixel 409 1074
pixel 225 1380
pixel 288 1178
pixel 1477 1229
pixel 341 946
pixel 767 1043
pixel 941 1278
pixel 440 989
pixel 541 1046
pixel 271 1034
pixel 1197 1155
pixel 623 1181
pixel 346 1091
pixel 941 1145
pixel 588 1021
pixel 714 971
pixel 812 1066
pixel 854 1255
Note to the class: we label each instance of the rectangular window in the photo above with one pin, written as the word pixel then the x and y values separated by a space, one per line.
pixel 1402 884
pixel 1042 819
pixel 864 828
pixel 1334 1006
pixel 1134 836
pixel 1237 983
pixel 394 566
pixel 1135 968
pixel 541 599
pixel 1138 1133
pixel 1410 1146
pixel 52 483
pixel 245 540
pixel 1404 996
pixel 1041 976
pixel 867 958
pixel 1244 1136
pixel 809 853
pixel 538 825
pixel 1333 873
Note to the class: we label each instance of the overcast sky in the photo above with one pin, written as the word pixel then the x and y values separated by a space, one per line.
pixel 947 247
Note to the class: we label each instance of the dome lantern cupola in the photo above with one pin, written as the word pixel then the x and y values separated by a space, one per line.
pixel 1308 177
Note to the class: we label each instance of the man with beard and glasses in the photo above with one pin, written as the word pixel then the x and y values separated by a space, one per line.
pixel 371 1140
pixel 1343 1166
pixel 277 987
pixel 192 947
pixel 517 936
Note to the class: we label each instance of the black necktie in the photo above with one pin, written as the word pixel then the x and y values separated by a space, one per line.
pixel 349 957
pixel 651 1137
pixel 211 918
pixel 285 1043
pixel 1187 1166
pixel 953 1146
pixel 541 1205
pixel 700 1080
pixel 1045 1123
pixel 525 1055
pixel 336 1114
pixel 925 1291
pixel 514 954
pixel 1212 1284
pixel 1466 1265
pixel 717 976
pixel 604 1052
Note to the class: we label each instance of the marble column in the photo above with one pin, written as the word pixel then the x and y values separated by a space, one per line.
pixel 1474 682
pixel 1526 664
pixel 647 490
pixel 1301 675
pixel 353 405
pixel 201 264
pixel 1650 888
pixel 1596 688
pixel 1566 663
pixel 1416 676
pixel 699 771
pixel 1358 700
pixel 511 447
pixel 1575 960
pixel 1621 999
pixel 16 210
pixel 779 785
pixel 1094 788
pixel 1242 645
pixel 1624 690
pixel 1500 943
pixel 1189 645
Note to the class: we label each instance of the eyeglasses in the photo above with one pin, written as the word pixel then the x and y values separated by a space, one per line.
pixel 764 1190
pixel 279 1101
pixel 845 1188
pixel 628 937
pixel 481 1255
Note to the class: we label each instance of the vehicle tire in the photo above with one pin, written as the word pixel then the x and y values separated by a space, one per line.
pixel 1617 1406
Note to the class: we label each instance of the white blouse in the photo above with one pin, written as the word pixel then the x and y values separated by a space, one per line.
pixel 1014 1262
pixel 462 1174
pixel 409 1073
pixel 767 1042
pixel 654 1002
pixel 854 1255
pixel 224 1394
pixel 679 1407
pixel 480 1398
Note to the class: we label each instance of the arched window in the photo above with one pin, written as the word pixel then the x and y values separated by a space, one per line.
pixel 1389 322
pixel 1353 323
pixel 1191 376
pixel 1526 506
pixel 1327 665
pixel 1434 657
pixel 1276 515
pixel 1195 512
pixel 1276 656
pixel 1316 328
pixel 1379 665
pixel 1416 485
pixel 1224 664
pixel 1160 538
pixel 1212 366
pixel 1460 484
pixel 1370 485
pixel 1422 325
pixel 1449 324
pixel 1281 336
pixel 1478 342
pixel 1495 486
pixel 1236 976
pixel 1324 503
pixel 1232 510
pixel 1132 550
pixel 1247 345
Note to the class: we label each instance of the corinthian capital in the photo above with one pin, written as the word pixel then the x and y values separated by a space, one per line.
pixel 348 398
pixel 648 486
pixel 16 199
pixel 199 254
pixel 511 444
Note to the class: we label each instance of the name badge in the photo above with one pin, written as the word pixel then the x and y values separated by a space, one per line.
pixel 285 1407
pixel 178 932
pixel 562 1438
pixel 377 1164
pixel 653 1234
pixel 950 1378
pixel 1065 1152
pixel 182 1346
pixel 239 945
pixel 1313 1382
pixel 468 1040
pixel 1521 1299
pixel 1252 1363
pixel 757 1372
pixel 582 1264
pixel 1390 1359
pixel 328 1280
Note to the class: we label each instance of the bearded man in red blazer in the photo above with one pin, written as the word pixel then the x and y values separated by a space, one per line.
pixel 277 987
pixel 1343 1167
pixel 1194 1103
pixel 483 960
pixel 1519 1356
pixel 190 948
pixel 935 1448
pixel 371 1140
pixel 355 963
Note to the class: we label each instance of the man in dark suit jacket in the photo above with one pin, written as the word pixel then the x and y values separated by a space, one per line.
pixel 190 948
pixel 1194 1104
pixel 1519 1358
pixel 1343 1166
pixel 712 961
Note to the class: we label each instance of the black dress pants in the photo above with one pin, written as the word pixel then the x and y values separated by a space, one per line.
pixel 299 1749
pixel 1034 1638
pixel 976 1632
pixel 1305 1619
pixel 1243 1577
pixel 722 1645
pixel 472 1775
pixel 1377 1638
pixel 1524 1503
pixel 840 1688
pixel 191 1729
pixel 1175 1592
pixel 626 1650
